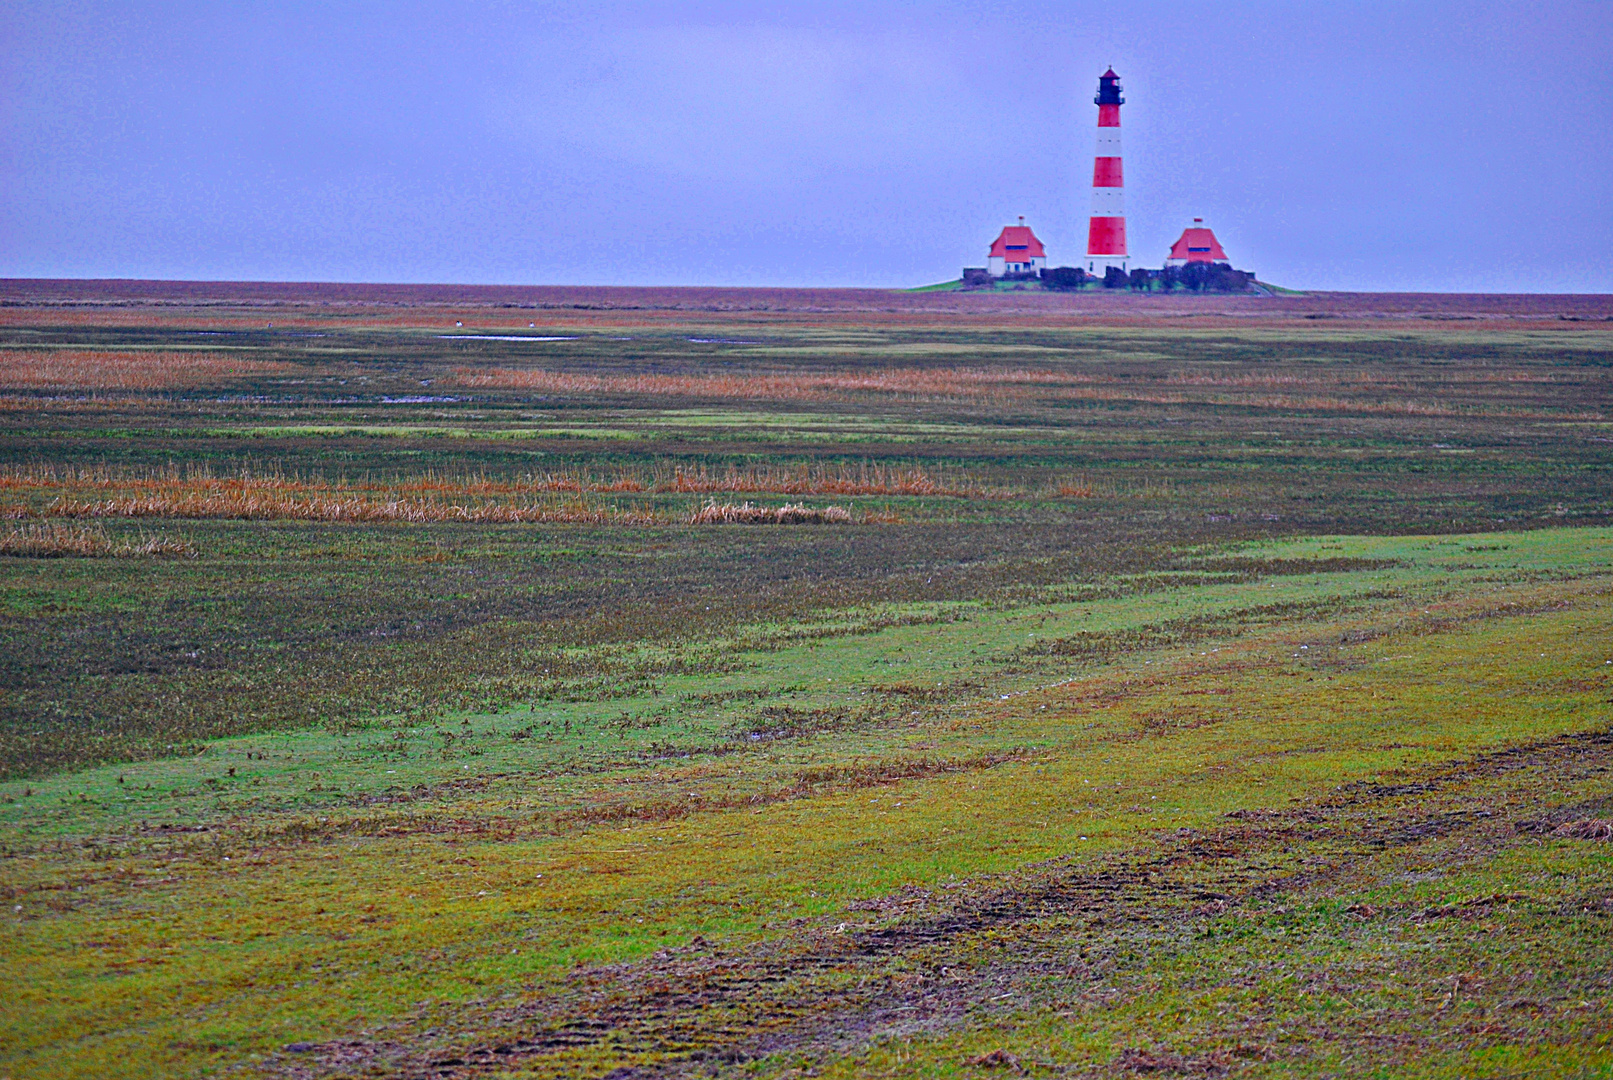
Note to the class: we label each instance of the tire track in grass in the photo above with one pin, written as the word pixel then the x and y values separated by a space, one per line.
pixel 928 962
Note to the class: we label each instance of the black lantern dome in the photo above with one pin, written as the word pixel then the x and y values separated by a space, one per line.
pixel 1109 89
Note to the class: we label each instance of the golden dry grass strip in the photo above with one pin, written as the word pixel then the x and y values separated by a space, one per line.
pixel 748 514
pixel 92 369
pixel 175 483
pixel 272 506
pixel 53 540
pixel 268 506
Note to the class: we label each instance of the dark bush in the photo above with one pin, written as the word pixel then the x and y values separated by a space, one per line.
pixel 1226 279
pixel 1214 277
pixel 1063 278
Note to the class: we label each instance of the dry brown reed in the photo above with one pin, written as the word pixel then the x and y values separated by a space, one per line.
pixel 270 506
pixel 174 480
pixel 85 369
pixel 714 513
pixel 864 480
pixel 545 483
pixel 261 506
pixel 53 540
pixel 1587 829
pixel 173 483
pixel 102 491
pixel 105 492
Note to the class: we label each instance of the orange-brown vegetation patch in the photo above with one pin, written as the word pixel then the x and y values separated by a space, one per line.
pixel 864 480
pixel 54 540
pixel 172 480
pixel 175 484
pixel 1587 829
pixel 788 514
pixel 276 506
pixel 101 492
pixel 272 506
pixel 88 369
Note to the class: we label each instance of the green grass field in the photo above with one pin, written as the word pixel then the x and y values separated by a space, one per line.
pixel 1185 695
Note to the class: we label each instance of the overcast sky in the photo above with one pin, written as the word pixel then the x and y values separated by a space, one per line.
pixel 1461 146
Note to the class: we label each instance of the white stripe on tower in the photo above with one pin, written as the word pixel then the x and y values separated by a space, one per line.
pixel 1106 232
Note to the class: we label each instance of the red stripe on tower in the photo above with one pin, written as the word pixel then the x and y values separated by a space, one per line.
pixel 1106 233
pixel 1106 172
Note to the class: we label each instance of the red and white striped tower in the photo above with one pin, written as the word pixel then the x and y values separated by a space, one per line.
pixel 1106 235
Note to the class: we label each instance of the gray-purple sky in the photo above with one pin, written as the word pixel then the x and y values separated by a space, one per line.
pixel 1459 146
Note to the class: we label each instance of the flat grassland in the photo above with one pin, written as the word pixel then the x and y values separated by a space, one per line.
pixel 471 682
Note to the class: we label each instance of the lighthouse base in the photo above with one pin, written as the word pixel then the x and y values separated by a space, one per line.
pixel 1098 265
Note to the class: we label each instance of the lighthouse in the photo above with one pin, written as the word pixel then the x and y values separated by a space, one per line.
pixel 1106 234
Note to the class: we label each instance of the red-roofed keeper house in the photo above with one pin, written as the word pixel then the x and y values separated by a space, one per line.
pixel 1198 244
pixel 1016 251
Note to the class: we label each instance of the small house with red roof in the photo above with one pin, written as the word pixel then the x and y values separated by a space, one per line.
pixel 1016 251
pixel 1198 244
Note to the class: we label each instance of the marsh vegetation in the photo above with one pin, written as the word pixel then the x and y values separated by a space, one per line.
pixel 617 687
